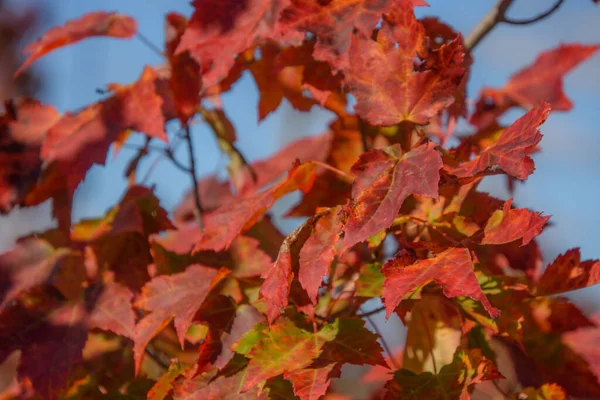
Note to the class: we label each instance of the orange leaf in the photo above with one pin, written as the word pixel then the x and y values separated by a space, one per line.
pixel 568 273
pixel 98 23
pixel 510 224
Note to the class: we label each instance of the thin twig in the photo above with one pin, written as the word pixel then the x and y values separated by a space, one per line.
pixel 488 23
pixel 156 357
pixel 199 210
pixel 372 312
pixel 384 343
pixel 534 19
pixel 142 38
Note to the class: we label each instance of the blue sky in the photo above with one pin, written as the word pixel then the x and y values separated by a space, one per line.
pixel 566 183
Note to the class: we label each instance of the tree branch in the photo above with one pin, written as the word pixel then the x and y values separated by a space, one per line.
pixel 488 23
pixel 372 312
pixel 199 210
pixel 142 38
pixel 534 19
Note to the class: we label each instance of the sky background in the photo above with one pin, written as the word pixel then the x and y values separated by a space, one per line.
pixel 566 183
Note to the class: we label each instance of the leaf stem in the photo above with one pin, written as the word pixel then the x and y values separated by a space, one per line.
pixel 142 38
pixel 192 171
pixel 346 176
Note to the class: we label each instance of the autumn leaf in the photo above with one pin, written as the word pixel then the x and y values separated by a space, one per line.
pixel 31 263
pixel 568 273
pixel 113 311
pixel 539 82
pixel 510 224
pixel 451 269
pixel 283 347
pixel 584 341
pixel 175 297
pixel 220 30
pixel 384 178
pixel 511 151
pixel 451 382
pixel 319 250
pixel 387 88
pixel 97 23
pixel 224 387
pixel 227 222
pixel 185 81
pixel 93 129
pixel 548 391
pixel 333 23
pixel 164 385
pixel 353 344
pixel 53 337
pixel 312 383
pixel 277 283
pixel 22 130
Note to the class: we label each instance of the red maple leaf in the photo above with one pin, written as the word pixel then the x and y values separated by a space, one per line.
pixel 97 23
pixel 510 224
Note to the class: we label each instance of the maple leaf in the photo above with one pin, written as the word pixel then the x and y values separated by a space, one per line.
pixel 97 23
pixel 23 127
pixel 185 82
pixel 280 348
pixel 510 224
pixel 452 381
pixel 227 222
pixel 223 387
pixel 164 385
pixel 319 250
pixel 112 310
pixel 383 79
pixel 568 273
pixel 31 263
pixel 93 129
pixel 219 30
pixel 584 341
pixel 353 344
pixel 539 82
pixel 511 151
pixel 312 383
pixel 384 178
pixel 451 269
pixel 333 23
pixel 138 211
pixel 176 297
pixel 277 283
pixel 548 391
pixel 246 318
pixel 54 336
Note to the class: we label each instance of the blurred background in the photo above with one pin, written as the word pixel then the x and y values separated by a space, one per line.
pixel 566 183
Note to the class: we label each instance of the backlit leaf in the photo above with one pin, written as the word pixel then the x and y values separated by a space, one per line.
pixel 510 224
pixel 97 23
pixel 567 273
pixel 452 270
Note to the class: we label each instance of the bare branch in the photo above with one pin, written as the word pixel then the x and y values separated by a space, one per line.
pixel 488 23
pixel 534 19
pixel 192 171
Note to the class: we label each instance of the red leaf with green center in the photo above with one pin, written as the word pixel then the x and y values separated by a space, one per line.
pixel 384 178
pixel 97 23
pixel 280 348
pixel 568 273
pixel 452 270
pixel 510 224
pixel 176 297
pixel 511 151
